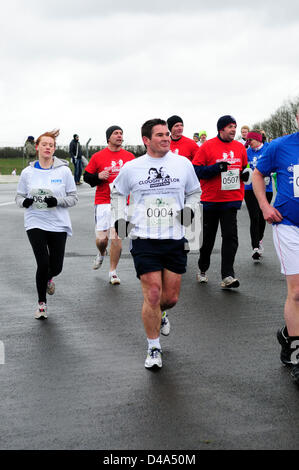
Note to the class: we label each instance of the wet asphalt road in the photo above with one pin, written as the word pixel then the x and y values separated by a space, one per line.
pixel 77 380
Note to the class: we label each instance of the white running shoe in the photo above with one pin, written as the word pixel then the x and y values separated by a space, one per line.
pixel 201 278
pixel 50 287
pixel 41 311
pixel 256 254
pixel 114 279
pixel 165 324
pixel 153 358
pixel 229 282
pixel 98 261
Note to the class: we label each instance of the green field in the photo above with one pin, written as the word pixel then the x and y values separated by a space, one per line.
pixel 8 164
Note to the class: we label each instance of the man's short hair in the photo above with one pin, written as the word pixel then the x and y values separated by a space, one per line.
pixel 147 128
pixel 245 127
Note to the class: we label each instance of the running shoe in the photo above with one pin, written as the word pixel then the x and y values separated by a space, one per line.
pixel 286 351
pixel 50 287
pixel 201 278
pixel 295 373
pixel 41 311
pixel 114 279
pixel 98 261
pixel 256 254
pixel 229 282
pixel 153 358
pixel 165 324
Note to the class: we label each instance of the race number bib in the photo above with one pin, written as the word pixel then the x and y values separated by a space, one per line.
pixel 160 211
pixel 296 180
pixel 267 180
pixel 39 195
pixel 230 180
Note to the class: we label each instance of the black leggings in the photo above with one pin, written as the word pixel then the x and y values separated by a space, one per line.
pixel 48 249
pixel 257 221
pixel 229 233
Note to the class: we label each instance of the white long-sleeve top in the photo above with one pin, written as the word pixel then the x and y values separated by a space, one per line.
pixel 38 183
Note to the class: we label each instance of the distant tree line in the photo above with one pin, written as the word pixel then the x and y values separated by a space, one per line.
pixel 63 152
pixel 281 122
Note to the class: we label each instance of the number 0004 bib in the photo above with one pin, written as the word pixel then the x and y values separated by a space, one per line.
pixel 160 211
pixel 230 180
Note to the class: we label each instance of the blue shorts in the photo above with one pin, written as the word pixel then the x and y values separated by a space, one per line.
pixel 155 255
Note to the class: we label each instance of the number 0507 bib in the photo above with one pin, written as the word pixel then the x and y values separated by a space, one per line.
pixel 230 179
pixel 160 211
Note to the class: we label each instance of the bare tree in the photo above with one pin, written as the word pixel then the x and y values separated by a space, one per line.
pixel 281 122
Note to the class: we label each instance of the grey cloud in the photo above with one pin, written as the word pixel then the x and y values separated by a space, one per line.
pixel 272 11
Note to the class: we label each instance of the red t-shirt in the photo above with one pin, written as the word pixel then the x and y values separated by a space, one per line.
pixel 111 161
pixel 185 147
pixel 214 151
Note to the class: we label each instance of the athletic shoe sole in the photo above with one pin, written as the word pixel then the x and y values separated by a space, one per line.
pixel 41 316
pixel 282 342
pixel 51 288
pixel 236 283
pixel 115 282
pixel 155 366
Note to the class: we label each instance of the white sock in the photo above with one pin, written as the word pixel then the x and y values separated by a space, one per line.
pixel 111 273
pixel 154 343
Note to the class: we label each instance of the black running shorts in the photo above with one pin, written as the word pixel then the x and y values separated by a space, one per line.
pixel 155 255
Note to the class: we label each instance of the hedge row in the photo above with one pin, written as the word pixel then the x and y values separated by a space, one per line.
pixel 62 152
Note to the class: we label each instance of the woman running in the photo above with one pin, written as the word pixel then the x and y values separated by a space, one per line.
pixel 257 222
pixel 46 189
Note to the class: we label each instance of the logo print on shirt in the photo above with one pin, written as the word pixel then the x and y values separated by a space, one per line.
pixel 56 181
pixel 158 177
pixel 229 157
pixel 115 166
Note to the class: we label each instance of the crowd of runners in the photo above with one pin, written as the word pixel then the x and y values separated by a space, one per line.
pixel 154 200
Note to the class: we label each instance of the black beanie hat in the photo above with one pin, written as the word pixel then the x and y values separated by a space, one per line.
pixel 173 120
pixel 110 130
pixel 225 121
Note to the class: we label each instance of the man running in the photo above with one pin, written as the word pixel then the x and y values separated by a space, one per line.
pixel 159 216
pixel 219 165
pixel 282 157
pixel 181 145
pixel 101 171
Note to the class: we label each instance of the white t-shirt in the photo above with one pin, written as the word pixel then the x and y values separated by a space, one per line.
pixel 158 187
pixel 38 183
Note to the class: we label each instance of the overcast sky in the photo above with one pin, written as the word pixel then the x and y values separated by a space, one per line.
pixel 83 65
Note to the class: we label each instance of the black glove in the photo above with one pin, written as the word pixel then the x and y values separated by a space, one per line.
pixel 123 228
pixel 246 174
pixel 185 216
pixel 51 201
pixel 223 166
pixel 28 202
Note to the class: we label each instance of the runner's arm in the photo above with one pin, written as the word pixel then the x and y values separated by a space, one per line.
pixel 92 179
pixel 192 198
pixel 20 198
pixel 118 204
pixel 269 212
pixel 69 200
pixel 210 171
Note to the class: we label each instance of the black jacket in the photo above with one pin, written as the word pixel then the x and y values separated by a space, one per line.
pixel 73 149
